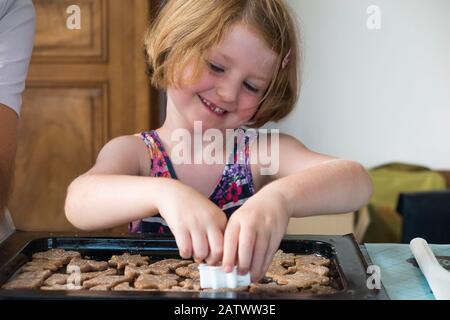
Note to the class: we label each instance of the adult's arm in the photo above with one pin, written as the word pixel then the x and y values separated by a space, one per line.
pixel 17 28
pixel 8 143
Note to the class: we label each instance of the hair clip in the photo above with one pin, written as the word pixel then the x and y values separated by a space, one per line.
pixel 286 59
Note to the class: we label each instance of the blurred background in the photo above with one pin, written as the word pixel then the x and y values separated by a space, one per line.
pixel 376 89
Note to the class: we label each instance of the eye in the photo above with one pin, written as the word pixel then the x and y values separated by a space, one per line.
pixel 215 68
pixel 251 88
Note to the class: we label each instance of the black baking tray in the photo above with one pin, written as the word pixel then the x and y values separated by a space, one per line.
pixel 344 251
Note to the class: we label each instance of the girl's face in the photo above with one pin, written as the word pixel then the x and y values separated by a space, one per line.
pixel 233 81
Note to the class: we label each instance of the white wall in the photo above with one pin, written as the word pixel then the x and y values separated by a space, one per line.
pixel 375 96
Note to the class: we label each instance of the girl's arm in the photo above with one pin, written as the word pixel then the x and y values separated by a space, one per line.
pixel 306 183
pixel 313 184
pixel 8 142
pixel 112 193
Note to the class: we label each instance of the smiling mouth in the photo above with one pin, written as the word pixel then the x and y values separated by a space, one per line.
pixel 212 107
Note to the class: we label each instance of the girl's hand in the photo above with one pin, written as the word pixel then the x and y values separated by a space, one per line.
pixel 196 222
pixel 254 232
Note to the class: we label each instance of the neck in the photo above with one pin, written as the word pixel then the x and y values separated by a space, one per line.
pixel 175 122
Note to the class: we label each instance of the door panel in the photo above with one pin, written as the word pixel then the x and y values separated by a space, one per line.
pixel 54 42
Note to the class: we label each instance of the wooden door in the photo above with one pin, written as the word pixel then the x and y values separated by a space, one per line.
pixel 84 87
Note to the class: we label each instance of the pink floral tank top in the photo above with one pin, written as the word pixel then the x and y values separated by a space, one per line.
pixel 233 189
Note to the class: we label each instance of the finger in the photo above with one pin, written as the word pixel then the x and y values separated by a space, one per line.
pixel 184 243
pixel 261 246
pixel 199 245
pixel 274 244
pixel 230 243
pixel 247 239
pixel 215 240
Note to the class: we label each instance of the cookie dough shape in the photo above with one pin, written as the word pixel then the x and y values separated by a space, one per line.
pixel 125 259
pixel 60 255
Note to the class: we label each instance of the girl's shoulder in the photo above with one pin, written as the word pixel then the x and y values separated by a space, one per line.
pixel 121 155
pixel 271 152
pixel 151 148
pixel 285 155
pixel 260 156
pixel 148 137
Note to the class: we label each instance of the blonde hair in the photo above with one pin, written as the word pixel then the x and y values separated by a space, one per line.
pixel 184 29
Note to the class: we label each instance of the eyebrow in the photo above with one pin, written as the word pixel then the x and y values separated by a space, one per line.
pixel 228 58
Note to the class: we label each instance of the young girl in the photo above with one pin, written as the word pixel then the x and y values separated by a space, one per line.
pixel 224 65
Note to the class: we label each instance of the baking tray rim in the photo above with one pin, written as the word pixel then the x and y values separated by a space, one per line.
pixel 338 244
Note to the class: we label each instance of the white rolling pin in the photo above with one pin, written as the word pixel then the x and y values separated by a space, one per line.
pixel 437 277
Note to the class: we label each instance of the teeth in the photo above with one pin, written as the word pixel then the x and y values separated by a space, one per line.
pixel 218 110
pixel 212 108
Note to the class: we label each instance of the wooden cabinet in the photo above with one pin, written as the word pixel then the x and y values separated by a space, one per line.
pixel 84 87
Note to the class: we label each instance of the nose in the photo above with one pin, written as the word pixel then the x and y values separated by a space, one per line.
pixel 228 90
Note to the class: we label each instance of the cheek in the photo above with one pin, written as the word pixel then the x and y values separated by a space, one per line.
pixel 203 83
pixel 187 92
pixel 206 80
pixel 248 106
pixel 194 86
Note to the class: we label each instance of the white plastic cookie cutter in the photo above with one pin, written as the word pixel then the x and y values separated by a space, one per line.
pixel 214 277
pixel 438 278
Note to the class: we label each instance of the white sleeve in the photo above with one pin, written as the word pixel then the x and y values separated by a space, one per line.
pixel 17 28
